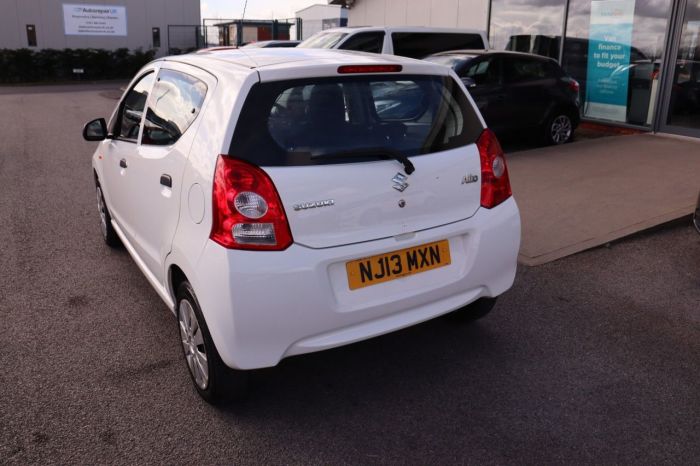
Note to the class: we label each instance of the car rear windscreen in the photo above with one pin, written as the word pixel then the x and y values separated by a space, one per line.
pixel 306 122
pixel 422 44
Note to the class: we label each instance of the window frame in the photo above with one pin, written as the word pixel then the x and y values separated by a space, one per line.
pixel 115 126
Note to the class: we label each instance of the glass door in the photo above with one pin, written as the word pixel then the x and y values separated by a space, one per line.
pixel 681 113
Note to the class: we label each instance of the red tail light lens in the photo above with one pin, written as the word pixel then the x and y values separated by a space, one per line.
pixel 495 185
pixel 574 85
pixel 247 210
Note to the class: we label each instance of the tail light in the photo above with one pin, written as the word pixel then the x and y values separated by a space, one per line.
pixel 574 85
pixel 247 210
pixel 495 185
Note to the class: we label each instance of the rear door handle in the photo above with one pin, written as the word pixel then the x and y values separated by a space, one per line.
pixel 122 163
pixel 166 180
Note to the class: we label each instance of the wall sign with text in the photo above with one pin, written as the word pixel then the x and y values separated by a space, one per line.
pixel 94 20
pixel 609 43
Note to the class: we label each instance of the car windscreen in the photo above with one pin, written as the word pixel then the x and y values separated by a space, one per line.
pixel 326 40
pixel 315 121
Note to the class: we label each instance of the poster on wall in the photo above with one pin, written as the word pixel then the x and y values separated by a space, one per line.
pixel 610 40
pixel 94 20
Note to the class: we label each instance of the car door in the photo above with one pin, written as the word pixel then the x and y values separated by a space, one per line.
pixel 527 84
pixel 157 168
pixel 120 150
pixel 487 90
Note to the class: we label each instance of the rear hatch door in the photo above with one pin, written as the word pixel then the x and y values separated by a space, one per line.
pixel 359 157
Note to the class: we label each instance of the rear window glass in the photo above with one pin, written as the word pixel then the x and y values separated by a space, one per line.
pixel 305 122
pixel 422 44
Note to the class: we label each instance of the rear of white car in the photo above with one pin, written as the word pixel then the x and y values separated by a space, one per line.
pixel 343 196
pixel 305 141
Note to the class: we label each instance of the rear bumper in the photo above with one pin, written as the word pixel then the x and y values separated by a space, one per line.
pixel 263 306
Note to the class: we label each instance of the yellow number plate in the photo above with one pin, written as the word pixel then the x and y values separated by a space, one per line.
pixel 392 265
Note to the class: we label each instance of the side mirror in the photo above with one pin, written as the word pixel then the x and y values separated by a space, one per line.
pixel 95 130
pixel 468 82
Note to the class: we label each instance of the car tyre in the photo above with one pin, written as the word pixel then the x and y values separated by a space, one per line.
pixel 108 233
pixel 214 380
pixel 473 311
pixel 559 128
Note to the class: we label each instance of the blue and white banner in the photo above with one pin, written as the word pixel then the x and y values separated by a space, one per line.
pixel 610 40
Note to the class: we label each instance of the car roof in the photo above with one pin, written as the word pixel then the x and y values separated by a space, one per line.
pixel 281 59
pixel 349 29
pixel 479 52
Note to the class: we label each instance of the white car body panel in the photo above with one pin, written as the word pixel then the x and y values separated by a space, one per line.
pixel 262 306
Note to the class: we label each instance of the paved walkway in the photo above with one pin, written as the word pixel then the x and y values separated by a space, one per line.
pixel 588 193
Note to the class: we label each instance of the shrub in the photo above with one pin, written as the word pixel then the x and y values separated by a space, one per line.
pixel 25 65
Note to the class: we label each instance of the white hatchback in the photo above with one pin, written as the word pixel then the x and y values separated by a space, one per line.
pixel 287 201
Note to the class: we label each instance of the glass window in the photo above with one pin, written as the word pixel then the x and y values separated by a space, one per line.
pixel 684 106
pixel 522 69
pixel 31 35
pixel 422 44
pixel 613 49
pixel 372 42
pixel 156 37
pixel 131 111
pixel 484 71
pixel 176 101
pixel 532 26
pixel 323 40
pixel 298 122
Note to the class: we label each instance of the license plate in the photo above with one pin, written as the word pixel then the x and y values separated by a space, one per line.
pixel 392 265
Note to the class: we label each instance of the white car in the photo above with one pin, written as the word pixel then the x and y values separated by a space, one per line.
pixel 405 41
pixel 287 201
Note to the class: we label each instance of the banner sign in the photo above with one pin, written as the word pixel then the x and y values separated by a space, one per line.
pixel 94 20
pixel 610 39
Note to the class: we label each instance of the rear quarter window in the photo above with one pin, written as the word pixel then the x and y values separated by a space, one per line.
pixel 297 122
pixel 422 44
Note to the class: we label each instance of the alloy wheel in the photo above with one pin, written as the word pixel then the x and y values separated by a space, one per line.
pixel 193 344
pixel 561 129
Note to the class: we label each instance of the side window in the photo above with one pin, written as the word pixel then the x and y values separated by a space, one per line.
pixel 523 69
pixel 422 44
pixel 131 110
pixel 484 72
pixel 175 103
pixel 365 42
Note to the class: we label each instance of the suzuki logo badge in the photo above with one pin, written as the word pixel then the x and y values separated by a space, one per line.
pixel 400 182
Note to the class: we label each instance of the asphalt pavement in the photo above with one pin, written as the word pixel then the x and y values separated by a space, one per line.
pixel 592 359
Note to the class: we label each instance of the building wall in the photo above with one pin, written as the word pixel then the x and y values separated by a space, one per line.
pixel 313 17
pixel 47 16
pixel 471 14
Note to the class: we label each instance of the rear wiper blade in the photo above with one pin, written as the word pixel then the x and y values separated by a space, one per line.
pixel 381 152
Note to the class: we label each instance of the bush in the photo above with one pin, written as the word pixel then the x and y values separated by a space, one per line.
pixel 25 65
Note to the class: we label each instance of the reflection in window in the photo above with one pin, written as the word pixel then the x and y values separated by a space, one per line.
pixel 684 109
pixel 631 83
pixel 176 102
pixel 132 109
pixel 533 26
